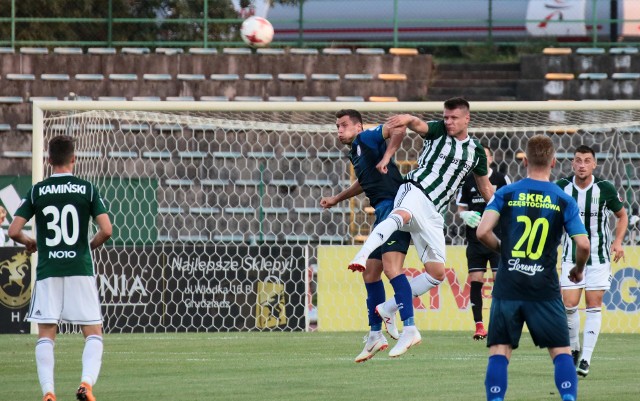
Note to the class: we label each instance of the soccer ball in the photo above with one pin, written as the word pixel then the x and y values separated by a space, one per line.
pixel 256 31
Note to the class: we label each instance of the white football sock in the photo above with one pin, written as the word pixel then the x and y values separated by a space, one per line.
pixel 91 359
pixel 44 363
pixel 592 324
pixel 380 234
pixel 573 320
pixel 423 283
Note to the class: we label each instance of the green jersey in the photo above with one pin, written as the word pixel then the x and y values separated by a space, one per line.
pixel 596 202
pixel 444 162
pixel 63 206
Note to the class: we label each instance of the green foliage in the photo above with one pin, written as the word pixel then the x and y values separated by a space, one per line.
pixel 194 9
pixel 81 30
pixel 308 366
pixel 161 24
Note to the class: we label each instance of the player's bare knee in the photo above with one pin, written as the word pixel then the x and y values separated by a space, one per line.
pixel 392 271
pixel 372 273
pixel 570 303
pixel 405 215
pixel 435 270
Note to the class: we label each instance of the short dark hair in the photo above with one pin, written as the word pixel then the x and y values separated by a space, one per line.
pixel 61 150
pixel 456 103
pixel 585 149
pixel 540 151
pixel 354 115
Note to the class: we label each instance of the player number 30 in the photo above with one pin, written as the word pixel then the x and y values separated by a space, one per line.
pixel 59 225
pixel 529 236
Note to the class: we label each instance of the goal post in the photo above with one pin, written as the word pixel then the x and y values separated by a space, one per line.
pixel 216 213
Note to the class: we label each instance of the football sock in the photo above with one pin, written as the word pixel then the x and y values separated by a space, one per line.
pixel 592 324
pixel 403 297
pixel 573 320
pixel 495 381
pixel 423 283
pixel 380 234
pixel 375 296
pixel 91 359
pixel 44 363
pixel 566 377
pixel 476 300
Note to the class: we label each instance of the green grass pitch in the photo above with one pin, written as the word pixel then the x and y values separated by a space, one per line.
pixel 307 366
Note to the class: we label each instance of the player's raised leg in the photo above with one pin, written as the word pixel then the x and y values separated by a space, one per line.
pixel 379 236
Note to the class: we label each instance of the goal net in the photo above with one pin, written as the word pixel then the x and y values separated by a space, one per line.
pixel 217 223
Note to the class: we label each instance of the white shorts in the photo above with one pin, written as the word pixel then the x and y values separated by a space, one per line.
pixel 426 225
pixel 65 299
pixel 596 277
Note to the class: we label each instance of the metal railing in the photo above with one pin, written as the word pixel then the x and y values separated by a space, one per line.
pixel 394 27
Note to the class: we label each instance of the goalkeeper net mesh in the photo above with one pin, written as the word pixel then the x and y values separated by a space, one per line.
pixel 217 222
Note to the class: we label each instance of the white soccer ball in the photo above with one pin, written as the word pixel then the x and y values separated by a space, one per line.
pixel 256 31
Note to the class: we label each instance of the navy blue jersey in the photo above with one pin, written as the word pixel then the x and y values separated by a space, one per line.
pixel 366 152
pixel 533 215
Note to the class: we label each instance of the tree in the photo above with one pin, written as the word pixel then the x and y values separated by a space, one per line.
pixel 78 31
pixel 159 24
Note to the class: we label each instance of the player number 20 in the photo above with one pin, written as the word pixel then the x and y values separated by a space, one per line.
pixel 529 235
pixel 60 225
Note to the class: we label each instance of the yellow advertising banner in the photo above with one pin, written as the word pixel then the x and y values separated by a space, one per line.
pixel 342 296
pixel 270 305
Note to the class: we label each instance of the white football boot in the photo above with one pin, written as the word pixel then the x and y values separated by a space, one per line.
pixel 372 345
pixel 410 337
pixel 389 320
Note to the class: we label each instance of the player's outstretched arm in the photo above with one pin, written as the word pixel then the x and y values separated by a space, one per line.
pixel 485 232
pixel 407 120
pixel 353 190
pixel 484 186
pixel 396 135
pixel 583 250
pixel 17 235
pixel 621 229
pixel 104 231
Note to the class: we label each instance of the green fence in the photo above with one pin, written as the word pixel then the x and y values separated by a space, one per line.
pixel 215 23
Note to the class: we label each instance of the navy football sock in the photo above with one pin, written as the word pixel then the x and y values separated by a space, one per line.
pixel 375 296
pixel 495 381
pixel 403 296
pixel 566 377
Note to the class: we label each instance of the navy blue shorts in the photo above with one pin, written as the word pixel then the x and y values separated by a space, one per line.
pixel 399 240
pixel 479 255
pixel 546 320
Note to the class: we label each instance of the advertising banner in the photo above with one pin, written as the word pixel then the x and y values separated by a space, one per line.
pixel 12 189
pixel 15 290
pixel 342 307
pixel 203 288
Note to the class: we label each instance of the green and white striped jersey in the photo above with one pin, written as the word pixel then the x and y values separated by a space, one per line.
pixel 63 206
pixel 597 203
pixel 444 163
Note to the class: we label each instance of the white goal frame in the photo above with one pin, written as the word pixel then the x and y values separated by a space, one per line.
pixel 40 108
